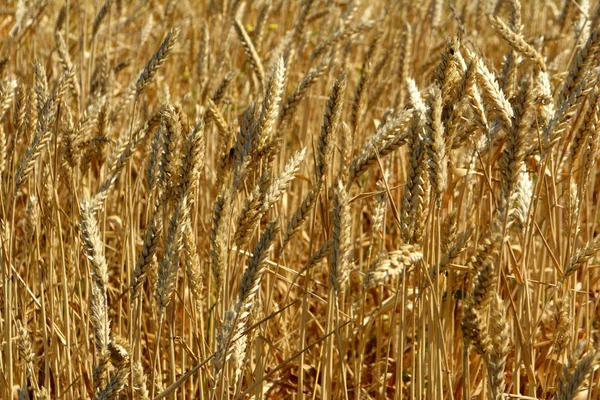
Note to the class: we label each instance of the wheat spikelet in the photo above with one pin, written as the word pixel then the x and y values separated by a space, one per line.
pixel 244 142
pixel 317 257
pixel 508 72
pixel 119 351
pixel 9 91
pixel 510 63
pixel 455 249
pixel 128 95
pixel 589 156
pixel 449 231
pixel 465 86
pixel 20 106
pixel 92 147
pixel 100 77
pixel 476 102
pixel 223 161
pixel 475 329
pixel 544 103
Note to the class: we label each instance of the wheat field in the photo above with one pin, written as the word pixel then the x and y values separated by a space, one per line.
pixel 311 199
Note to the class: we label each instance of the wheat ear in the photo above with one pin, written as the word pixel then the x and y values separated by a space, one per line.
pixel 93 250
pixel 340 235
pixel 237 316
pixel 250 51
pixel 146 256
pixel 518 43
pixel 570 381
pixel 169 264
pixel 157 60
pixel 330 125
pixel 43 133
